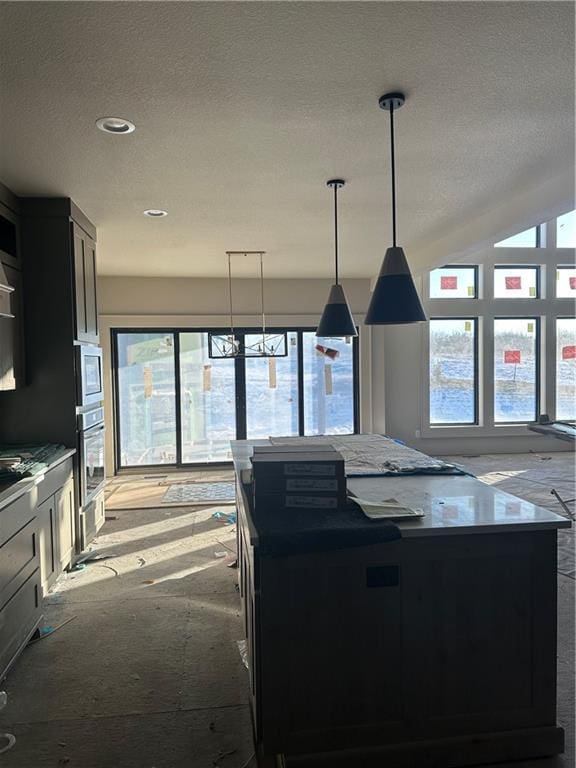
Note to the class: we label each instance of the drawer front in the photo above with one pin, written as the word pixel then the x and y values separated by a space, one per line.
pixel 18 618
pixel 18 559
pixel 54 480
pixel 15 516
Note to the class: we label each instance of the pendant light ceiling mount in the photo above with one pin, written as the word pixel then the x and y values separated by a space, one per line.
pixel 392 101
pixel 335 183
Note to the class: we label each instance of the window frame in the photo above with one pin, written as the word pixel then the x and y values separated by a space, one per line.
pixel 475 322
pixel 555 350
pixel 538 373
pixel 538 270
pixel 461 298
pixel 546 308
pixel 240 389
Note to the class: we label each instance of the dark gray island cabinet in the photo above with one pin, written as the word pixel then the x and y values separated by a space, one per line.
pixel 435 649
pixel 36 544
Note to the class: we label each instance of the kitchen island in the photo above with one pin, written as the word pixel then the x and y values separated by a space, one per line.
pixel 434 647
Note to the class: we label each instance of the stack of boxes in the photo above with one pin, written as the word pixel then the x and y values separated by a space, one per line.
pixel 299 477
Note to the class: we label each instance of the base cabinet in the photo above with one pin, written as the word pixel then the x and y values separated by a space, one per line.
pixel 20 587
pixel 92 517
pixel 37 534
pixel 56 523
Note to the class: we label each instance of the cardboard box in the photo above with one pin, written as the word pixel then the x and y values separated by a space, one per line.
pixel 298 464
pixel 285 503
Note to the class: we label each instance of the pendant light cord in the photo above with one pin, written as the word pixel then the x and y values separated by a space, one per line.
pixel 336 232
pixel 230 294
pixel 393 169
pixel 262 297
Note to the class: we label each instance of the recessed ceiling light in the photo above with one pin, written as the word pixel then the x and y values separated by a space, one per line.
pixel 116 125
pixel 155 213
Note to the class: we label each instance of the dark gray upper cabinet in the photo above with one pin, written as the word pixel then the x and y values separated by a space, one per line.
pixel 57 230
pixel 84 262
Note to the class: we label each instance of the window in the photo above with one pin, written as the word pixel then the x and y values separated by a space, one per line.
pixel 453 283
pixel 328 386
pixel 516 282
pixel 176 406
pixel 272 384
pixel 497 360
pixel 515 370
pixel 566 283
pixel 453 371
pixel 566 230
pixel 207 401
pixel 146 412
pixel 566 369
pixel 527 239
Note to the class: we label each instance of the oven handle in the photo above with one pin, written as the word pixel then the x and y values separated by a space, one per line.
pixel 92 430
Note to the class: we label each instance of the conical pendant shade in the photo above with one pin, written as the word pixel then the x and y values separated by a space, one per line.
pixel 395 300
pixel 336 321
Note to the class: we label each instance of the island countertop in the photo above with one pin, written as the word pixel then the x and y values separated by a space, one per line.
pixel 452 504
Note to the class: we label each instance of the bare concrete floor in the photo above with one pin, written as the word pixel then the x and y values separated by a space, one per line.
pixel 148 674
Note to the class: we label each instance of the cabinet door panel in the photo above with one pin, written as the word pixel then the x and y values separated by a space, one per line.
pixel 48 542
pixel 79 282
pixel 9 237
pixel 90 289
pixel 11 334
pixel 65 522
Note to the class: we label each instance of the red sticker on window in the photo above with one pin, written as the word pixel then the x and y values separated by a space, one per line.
pixel 572 283
pixel 512 356
pixel 513 283
pixel 448 282
pixel 569 353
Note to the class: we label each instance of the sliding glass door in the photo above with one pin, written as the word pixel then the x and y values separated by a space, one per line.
pixel 329 391
pixel 174 405
pixel 146 399
pixel 207 402
pixel 272 389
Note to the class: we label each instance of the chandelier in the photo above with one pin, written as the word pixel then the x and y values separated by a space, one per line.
pixel 233 344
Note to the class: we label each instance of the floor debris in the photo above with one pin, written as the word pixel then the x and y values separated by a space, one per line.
pixel 226 517
pixel 49 630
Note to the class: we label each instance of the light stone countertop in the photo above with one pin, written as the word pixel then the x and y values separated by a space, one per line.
pixel 9 492
pixel 452 504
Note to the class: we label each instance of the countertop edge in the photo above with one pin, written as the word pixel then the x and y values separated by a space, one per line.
pixel 26 484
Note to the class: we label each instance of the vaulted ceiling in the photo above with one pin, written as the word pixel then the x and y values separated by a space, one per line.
pixel 243 110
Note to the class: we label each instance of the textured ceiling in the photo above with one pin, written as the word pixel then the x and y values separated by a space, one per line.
pixel 244 110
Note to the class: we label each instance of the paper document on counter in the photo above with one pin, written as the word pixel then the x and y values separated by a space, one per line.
pixel 388 509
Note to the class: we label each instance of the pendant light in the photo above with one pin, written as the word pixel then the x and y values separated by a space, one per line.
pixel 395 299
pixel 336 321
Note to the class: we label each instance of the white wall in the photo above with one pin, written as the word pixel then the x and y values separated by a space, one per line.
pixel 209 296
